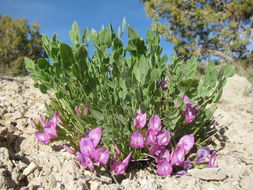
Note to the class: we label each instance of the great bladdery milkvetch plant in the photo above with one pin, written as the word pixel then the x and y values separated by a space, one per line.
pixel 125 102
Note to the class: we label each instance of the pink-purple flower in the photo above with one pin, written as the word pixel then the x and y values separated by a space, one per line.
pixel 155 123
pixel 185 98
pixel 137 140
pixel 163 138
pixel 164 85
pixel 95 135
pixel 101 155
pixel 212 161
pixel 186 142
pixel 68 149
pixel 50 129
pixel 203 154
pixel 150 137
pixel 164 168
pixel 178 156
pixel 189 113
pixel 140 119
pixel 164 155
pixel 86 147
pixel 85 161
pixel 43 138
pixel 88 152
pixel 119 167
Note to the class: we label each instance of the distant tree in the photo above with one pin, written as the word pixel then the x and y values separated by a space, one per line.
pixel 204 28
pixel 18 40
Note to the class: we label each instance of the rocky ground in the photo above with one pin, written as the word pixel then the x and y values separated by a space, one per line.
pixel 26 164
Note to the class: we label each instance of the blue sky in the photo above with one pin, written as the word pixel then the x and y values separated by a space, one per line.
pixel 57 16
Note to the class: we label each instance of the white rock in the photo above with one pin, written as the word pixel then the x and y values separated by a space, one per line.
pixel 30 168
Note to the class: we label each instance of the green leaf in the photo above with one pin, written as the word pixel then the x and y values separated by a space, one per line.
pixel 185 85
pixel 81 54
pixel 144 68
pixel 43 88
pixel 43 63
pixel 98 115
pixel 191 68
pixel 155 75
pixel 137 73
pixel 123 24
pixel 74 34
pixel 229 70
pixel 131 33
pixel 75 70
pixel 29 64
pixel 67 56
pixel 150 36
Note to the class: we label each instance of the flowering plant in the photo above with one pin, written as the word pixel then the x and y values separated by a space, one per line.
pixel 123 89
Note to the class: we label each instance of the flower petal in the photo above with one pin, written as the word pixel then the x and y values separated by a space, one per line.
pixel 137 140
pixel 186 142
pixel 140 120
pixel 86 147
pixel 164 168
pixel 155 123
pixel 101 155
pixel 42 137
pixel 95 135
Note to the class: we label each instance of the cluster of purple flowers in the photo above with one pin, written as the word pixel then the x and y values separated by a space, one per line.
pixel 90 154
pixel 157 140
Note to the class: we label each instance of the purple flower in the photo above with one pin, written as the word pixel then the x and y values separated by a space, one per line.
pixel 50 131
pixel 182 172
pixel 68 149
pixel 86 147
pixel 85 161
pixel 164 168
pixel 202 154
pixel 189 113
pixel 140 120
pixel 117 150
pixel 156 150
pixel 186 142
pixel 150 137
pixel 164 85
pixel 211 163
pixel 101 155
pixel 185 98
pixel 86 110
pixel 120 167
pixel 95 135
pixel 187 164
pixel 137 140
pixel 42 137
pixel 163 138
pixel 42 121
pixel 178 156
pixel 53 121
pixel 164 155
pixel 155 123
